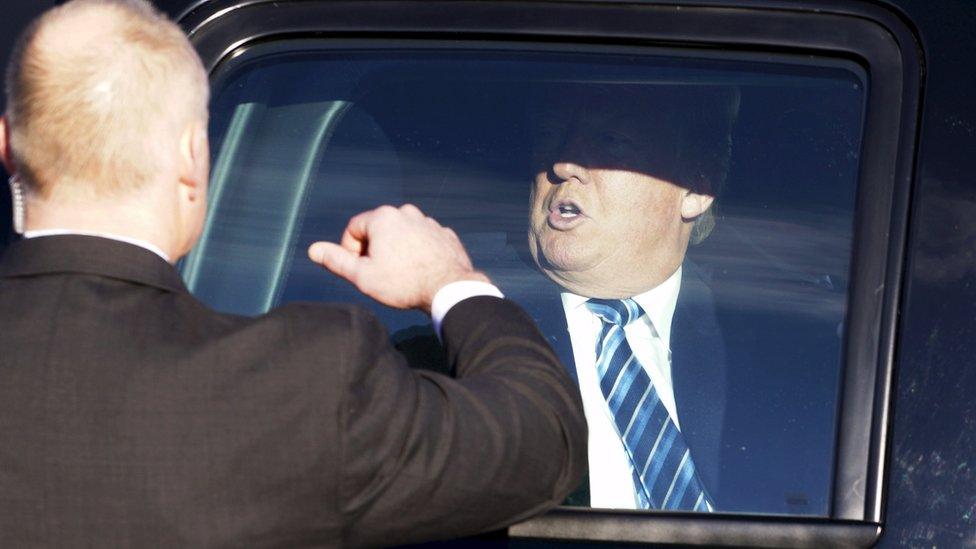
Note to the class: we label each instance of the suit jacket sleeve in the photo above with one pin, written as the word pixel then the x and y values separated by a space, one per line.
pixel 426 456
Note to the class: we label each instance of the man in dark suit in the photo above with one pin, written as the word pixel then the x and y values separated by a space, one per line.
pixel 626 176
pixel 623 172
pixel 700 372
pixel 132 415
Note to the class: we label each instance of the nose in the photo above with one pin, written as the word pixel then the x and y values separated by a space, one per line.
pixel 571 157
pixel 561 172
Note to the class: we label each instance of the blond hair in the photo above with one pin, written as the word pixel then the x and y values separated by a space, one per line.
pixel 98 94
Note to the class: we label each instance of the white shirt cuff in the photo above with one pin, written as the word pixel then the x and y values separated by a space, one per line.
pixel 454 293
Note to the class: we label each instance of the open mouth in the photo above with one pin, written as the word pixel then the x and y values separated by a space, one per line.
pixel 568 210
pixel 565 214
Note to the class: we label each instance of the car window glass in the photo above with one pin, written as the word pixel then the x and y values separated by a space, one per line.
pixel 580 163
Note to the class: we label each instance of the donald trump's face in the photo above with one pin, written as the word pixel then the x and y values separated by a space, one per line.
pixel 606 219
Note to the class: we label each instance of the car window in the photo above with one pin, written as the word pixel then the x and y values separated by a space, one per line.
pixel 564 174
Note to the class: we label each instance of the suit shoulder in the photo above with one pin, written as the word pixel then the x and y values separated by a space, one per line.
pixel 331 324
pixel 312 315
pixel 312 312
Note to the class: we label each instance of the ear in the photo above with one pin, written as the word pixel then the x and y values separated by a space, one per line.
pixel 694 204
pixel 5 156
pixel 194 160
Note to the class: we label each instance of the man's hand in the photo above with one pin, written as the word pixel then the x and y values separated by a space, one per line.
pixel 397 256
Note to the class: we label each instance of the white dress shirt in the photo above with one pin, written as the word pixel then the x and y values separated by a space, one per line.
pixel 611 481
pixel 445 298
pixel 454 293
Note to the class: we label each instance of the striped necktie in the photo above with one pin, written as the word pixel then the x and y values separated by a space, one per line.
pixel 663 471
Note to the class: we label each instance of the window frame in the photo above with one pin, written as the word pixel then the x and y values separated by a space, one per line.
pixel 873 37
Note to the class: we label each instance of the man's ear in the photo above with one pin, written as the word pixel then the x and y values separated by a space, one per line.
pixel 5 156
pixel 194 159
pixel 694 204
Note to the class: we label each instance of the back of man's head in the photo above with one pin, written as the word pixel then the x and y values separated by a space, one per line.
pixel 98 93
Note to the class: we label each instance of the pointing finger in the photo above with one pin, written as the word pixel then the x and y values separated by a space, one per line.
pixel 343 262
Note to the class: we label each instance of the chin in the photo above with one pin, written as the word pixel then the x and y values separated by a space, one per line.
pixel 557 251
pixel 559 255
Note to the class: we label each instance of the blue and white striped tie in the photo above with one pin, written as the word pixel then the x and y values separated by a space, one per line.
pixel 663 471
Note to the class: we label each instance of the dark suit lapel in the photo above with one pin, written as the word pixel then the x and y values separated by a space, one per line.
pixel 540 297
pixel 548 313
pixel 698 367
pixel 698 372
pixel 89 255
pixel 551 319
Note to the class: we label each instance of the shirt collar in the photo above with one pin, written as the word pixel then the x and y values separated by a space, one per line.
pixel 658 303
pixel 134 241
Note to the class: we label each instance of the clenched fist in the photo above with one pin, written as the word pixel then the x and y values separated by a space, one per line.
pixel 397 256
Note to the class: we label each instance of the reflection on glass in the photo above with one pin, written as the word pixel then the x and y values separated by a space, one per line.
pixel 710 202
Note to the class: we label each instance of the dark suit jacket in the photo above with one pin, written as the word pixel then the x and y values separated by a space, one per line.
pixel 133 415
pixel 755 394
pixel 698 370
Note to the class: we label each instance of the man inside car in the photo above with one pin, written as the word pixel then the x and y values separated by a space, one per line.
pixel 626 179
